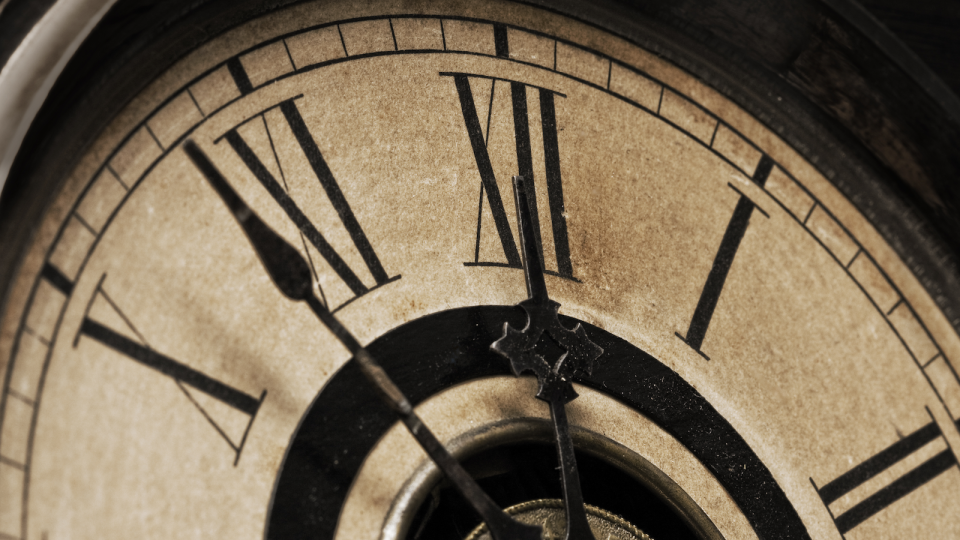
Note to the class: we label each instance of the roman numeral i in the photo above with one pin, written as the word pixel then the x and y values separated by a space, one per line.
pixel 717 277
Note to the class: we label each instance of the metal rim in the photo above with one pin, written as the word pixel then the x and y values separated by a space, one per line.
pixel 416 489
pixel 558 504
pixel 34 66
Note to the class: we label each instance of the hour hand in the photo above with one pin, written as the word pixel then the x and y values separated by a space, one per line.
pixel 519 346
pixel 291 274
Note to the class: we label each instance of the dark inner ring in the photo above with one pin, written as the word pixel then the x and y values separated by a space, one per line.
pixel 436 352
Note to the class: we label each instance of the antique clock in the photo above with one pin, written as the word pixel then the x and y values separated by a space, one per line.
pixel 470 269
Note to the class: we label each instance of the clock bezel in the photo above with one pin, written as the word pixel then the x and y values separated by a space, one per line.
pixel 926 230
pixel 719 83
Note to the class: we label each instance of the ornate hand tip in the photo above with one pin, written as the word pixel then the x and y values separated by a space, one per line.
pixel 582 352
pixel 556 388
pixel 514 346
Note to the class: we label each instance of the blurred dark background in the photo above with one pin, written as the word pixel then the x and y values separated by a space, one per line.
pixel 930 27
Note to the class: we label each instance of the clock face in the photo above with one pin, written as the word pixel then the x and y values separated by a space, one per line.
pixel 771 367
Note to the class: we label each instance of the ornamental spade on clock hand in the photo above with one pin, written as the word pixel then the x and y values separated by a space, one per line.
pixel 519 346
pixel 291 274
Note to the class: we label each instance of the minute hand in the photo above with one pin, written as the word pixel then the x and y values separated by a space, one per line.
pixel 291 274
pixel 555 385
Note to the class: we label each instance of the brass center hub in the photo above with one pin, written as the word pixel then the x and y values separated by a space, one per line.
pixel 550 514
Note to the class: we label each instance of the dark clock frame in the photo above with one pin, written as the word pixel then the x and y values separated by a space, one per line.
pixel 824 75
pixel 821 74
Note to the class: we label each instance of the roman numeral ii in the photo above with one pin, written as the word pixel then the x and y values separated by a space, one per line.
pixel 900 487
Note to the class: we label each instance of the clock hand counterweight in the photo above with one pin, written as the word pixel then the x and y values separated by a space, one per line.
pixel 291 274
pixel 555 386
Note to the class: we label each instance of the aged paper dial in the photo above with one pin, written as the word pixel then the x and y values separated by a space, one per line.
pixel 769 358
